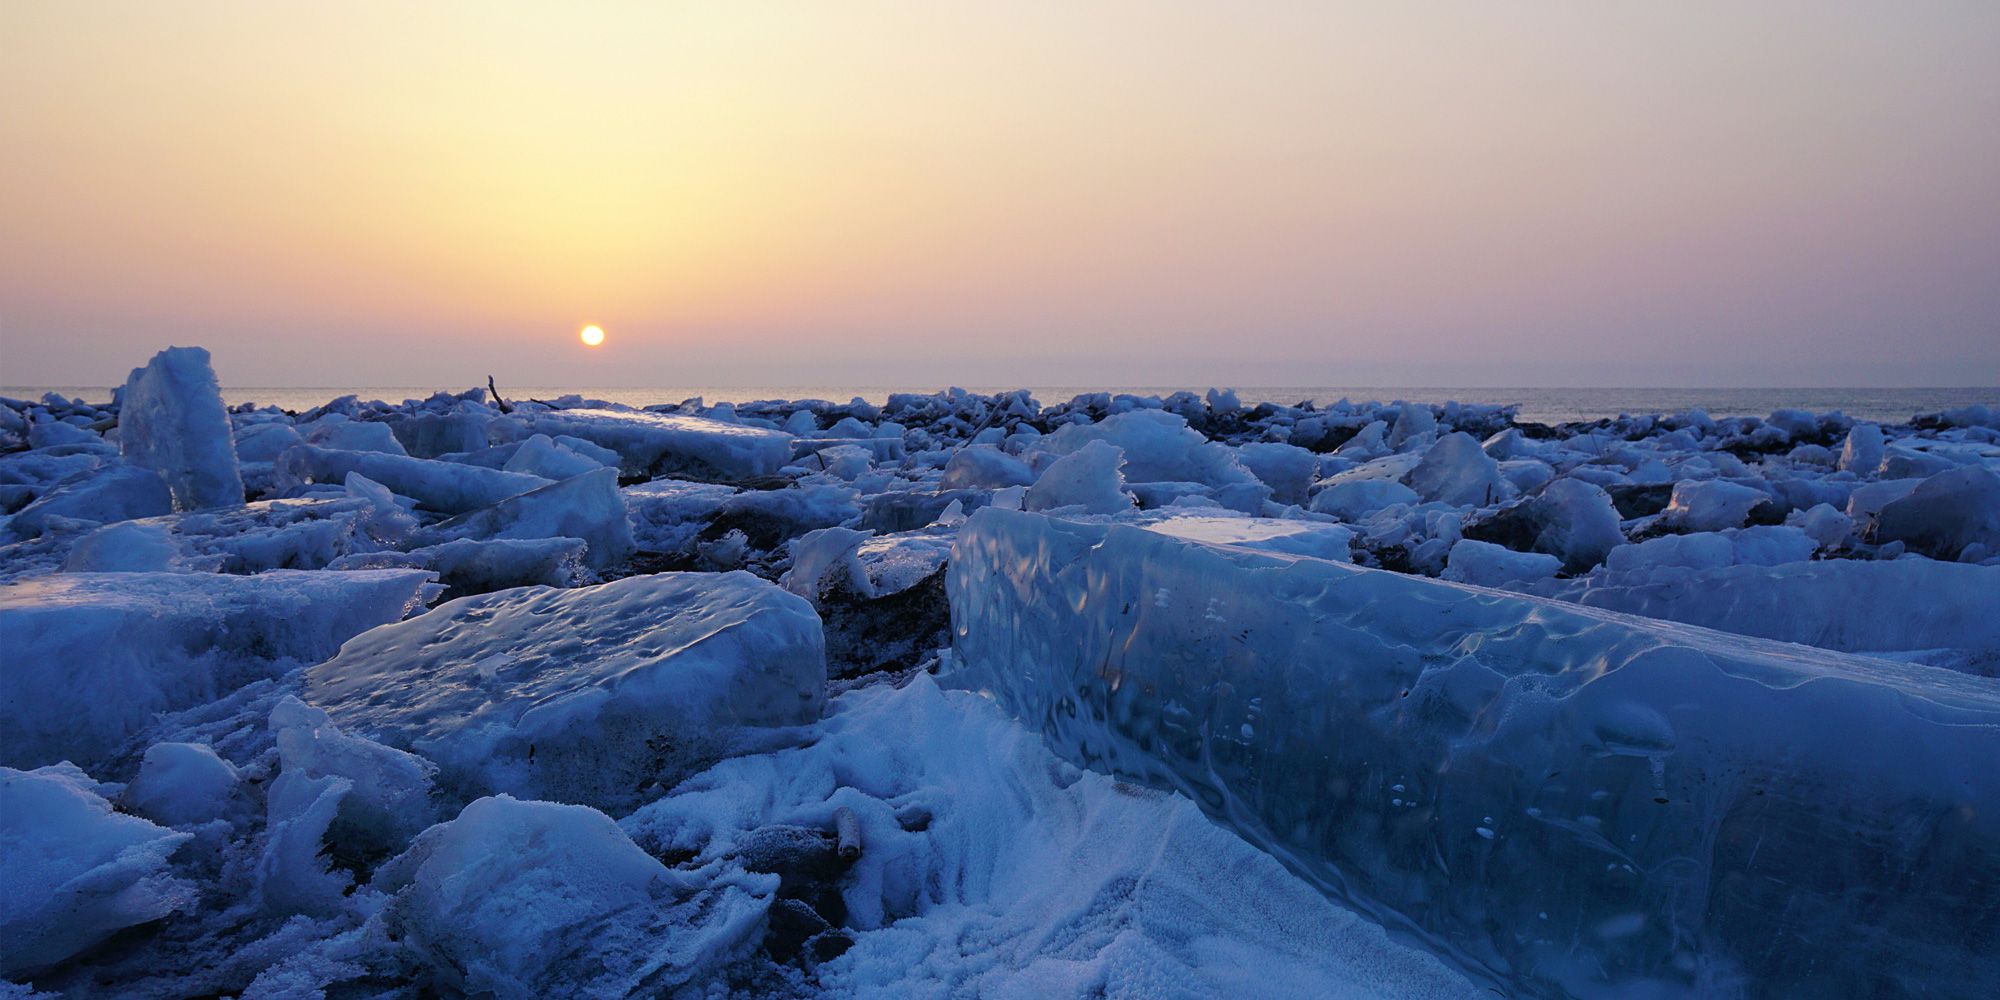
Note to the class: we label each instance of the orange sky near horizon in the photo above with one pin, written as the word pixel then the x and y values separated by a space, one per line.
pixel 1038 192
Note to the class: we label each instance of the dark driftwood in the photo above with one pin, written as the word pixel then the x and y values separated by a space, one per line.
pixel 495 391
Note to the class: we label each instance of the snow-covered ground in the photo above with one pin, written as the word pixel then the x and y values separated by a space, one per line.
pixel 963 695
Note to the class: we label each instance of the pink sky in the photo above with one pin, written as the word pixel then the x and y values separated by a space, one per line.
pixel 1704 193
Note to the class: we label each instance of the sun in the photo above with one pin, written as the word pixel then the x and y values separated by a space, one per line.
pixel 592 335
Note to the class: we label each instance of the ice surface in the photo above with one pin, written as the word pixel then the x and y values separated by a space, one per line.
pixel 72 872
pixel 1850 605
pixel 602 695
pixel 1160 447
pixel 90 657
pixel 657 444
pixel 172 421
pixel 1567 800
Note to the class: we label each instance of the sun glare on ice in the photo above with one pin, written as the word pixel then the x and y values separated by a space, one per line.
pixel 592 335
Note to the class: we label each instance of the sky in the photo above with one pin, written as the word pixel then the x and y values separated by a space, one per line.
pixel 1707 193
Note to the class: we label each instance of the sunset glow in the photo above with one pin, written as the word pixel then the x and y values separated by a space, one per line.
pixel 592 336
pixel 910 191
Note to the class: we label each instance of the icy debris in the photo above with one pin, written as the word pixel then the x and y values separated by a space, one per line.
pixel 983 466
pixel 540 455
pixel 72 872
pixel 989 868
pixel 98 496
pixel 586 507
pixel 387 799
pixel 466 566
pixel 1160 447
pixel 667 515
pixel 92 656
pixel 518 900
pixel 1826 525
pixel 125 547
pixel 1287 469
pixel 171 420
pixel 181 784
pixel 1090 478
pixel 1457 471
pixel 1712 504
pixel 1570 519
pixel 603 695
pixel 1302 538
pixel 1357 499
pixel 264 442
pixel 445 487
pixel 1490 565
pixel 1632 772
pixel 354 435
pixel 657 444
pixel 1946 515
pixel 816 555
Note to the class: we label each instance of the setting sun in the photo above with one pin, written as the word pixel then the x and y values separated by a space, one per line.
pixel 592 336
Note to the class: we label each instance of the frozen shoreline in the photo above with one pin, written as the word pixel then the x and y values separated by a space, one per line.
pixel 281 687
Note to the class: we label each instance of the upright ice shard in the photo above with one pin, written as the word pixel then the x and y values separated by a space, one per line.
pixel 1569 801
pixel 172 420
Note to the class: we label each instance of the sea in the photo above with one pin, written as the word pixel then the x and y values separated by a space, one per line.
pixel 1541 405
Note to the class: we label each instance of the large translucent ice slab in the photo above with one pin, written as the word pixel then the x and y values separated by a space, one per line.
pixel 654 444
pixel 1566 800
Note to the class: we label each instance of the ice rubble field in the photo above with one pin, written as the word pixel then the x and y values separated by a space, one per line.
pixel 963 695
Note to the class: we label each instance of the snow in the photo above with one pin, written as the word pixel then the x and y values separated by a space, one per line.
pixel 73 872
pixel 656 444
pixel 172 421
pixel 1617 765
pixel 601 695
pixel 92 656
